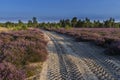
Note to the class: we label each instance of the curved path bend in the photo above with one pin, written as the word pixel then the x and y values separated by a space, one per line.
pixel 70 60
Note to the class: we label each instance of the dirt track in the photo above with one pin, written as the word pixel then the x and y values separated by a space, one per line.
pixel 70 60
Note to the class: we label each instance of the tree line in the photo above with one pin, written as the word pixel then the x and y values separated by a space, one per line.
pixel 21 25
pixel 65 23
pixel 85 23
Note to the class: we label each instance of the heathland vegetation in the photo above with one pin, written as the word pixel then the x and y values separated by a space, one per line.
pixel 103 33
pixel 23 44
pixel 64 23
pixel 22 50
pixel 20 25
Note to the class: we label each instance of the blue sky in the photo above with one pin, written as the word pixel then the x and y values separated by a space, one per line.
pixel 56 9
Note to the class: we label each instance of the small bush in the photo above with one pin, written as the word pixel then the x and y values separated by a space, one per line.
pixel 18 49
pixel 9 72
pixel 114 48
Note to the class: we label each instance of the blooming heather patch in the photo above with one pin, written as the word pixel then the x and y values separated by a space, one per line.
pixel 114 48
pixel 9 72
pixel 18 49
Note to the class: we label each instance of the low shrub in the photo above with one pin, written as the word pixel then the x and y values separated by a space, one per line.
pixel 9 72
pixel 114 48
pixel 18 49
pixel 105 37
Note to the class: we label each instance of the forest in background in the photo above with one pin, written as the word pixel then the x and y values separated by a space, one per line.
pixel 63 23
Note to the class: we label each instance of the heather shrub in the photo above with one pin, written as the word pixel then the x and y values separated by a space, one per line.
pixel 18 49
pixel 33 69
pixel 114 48
pixel 9 72
pixel 88 37
pixel 100 42
pixel 108 39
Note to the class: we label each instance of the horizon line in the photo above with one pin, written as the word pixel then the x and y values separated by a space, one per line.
pixel 48 19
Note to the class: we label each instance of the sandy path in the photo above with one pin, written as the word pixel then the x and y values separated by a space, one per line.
pixel 70 60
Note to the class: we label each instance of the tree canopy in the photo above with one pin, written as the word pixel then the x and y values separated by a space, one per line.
pixel 65 23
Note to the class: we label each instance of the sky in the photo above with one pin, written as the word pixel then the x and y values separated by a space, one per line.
pixel 59 9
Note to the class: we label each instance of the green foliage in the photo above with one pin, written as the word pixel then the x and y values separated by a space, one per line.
pixel 64 23
pixel 74 22
pixel 57 26
pixel 19 28
pixel 109 23
pixel 20 23
pixel 29 23
pixel 67 27
pixel 78 23
pixel 87 23
pixel 35 23
pixel 9 24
